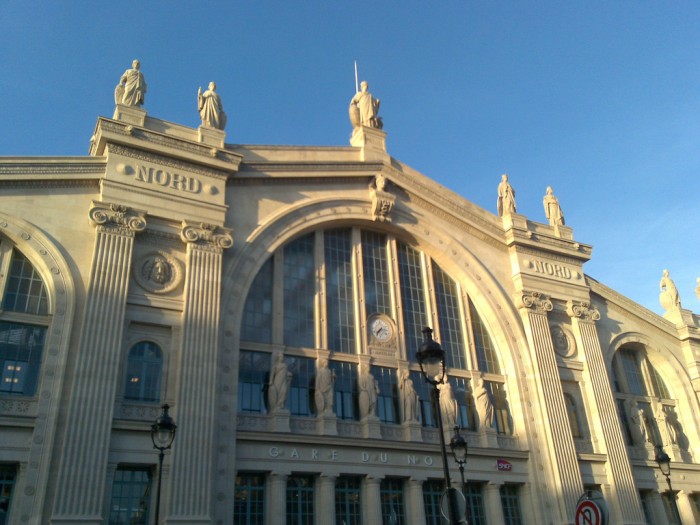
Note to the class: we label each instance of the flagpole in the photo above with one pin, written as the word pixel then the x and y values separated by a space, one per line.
pixel 357 86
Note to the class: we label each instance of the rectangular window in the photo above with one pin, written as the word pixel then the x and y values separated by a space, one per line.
pixel 131 496
pixel 348 504
pixel 486 359
pixel 426 413
pixel 21 347
pixel 432 495
pixel 633 372
pixel 391 495
pixel 299 292
pixel 249 500
pixel 7 484
pixel 376 273
pixel 502 419
pixel 511 505
pixel 671 508
pixel 388 398
pixel 300 500
pixel 301 389
pixel 449 318
pixel 257 312
pixel 340 301
pixel 345 390
pixel 475 504
pixel 412 298
pixel 466 416
pixel 646 497
pixel 253 373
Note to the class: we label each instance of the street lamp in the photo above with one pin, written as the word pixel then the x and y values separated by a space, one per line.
pixel 431 358
pixel 162 435
pixel 459 450
pixel 664 462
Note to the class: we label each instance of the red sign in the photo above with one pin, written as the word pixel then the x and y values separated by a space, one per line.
pixel 502 464
pixel 588 513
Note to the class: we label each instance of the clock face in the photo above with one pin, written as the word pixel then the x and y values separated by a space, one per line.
pixel 381 329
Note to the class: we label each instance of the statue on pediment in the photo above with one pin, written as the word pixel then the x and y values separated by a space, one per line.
pixel 211 110
pixel 323 395
pixel 364 109
pixel 131 90
pixel 278 385
pixel 669 297
pixel 506 197
pixel 552 209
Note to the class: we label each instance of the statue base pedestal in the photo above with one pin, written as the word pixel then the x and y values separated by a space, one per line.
pixel 130 115
pixel 412 431
pixel 211 136
pixel 279 421
pixel 679 316
pixel 371 427
pixel 327 425
pixel 372 141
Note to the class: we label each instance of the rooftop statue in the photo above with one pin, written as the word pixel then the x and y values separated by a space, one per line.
pixel 210 108
pixel 506 197
pixel 131 90
pixel 668 297
pixel 552 209
pixel 364 109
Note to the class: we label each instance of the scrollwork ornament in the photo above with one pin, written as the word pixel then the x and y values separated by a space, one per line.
pixel 208 236
pixel 582 310
pixel 536 301
pixel 112 216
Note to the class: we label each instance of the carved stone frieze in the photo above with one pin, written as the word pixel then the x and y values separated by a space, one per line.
pixel 382 200
pixel 117 218
pixel 158 272
pixel 563 341
pixel 582 310
pixel 17 407
pixel 206 236
pixel 536 301
pixel 139 412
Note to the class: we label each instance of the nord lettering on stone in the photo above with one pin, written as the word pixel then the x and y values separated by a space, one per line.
pixel 167 179
pixel 555 270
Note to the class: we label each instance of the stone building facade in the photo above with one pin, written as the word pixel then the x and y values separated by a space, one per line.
pixel 274 297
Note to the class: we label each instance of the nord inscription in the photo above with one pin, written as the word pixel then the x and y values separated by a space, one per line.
pixel 554 270
pixel 168 179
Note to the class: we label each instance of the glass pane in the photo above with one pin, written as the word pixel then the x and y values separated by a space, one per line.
pixel 21 347
pixel 249 500
pixel 131 495
pixel 299 292
pixel 412 298
pixel 391 495
pixel 449 318
pixel 300 500
pixel 340 302
pixel 257 313
pixel 301 390
pixel 388 398
pixel 143 373
pixel 348 503
pixel 253 373
pixel 376 273
pixel 25 289
pixel 432 494
pixel 486 358
pixel 346 394
pixel 511 505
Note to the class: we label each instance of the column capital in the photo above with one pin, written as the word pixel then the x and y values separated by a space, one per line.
pixel 582 310
pixel 536 301
pixel 117 218
pixel 206 236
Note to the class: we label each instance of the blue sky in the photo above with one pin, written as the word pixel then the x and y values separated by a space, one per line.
pixel 600 100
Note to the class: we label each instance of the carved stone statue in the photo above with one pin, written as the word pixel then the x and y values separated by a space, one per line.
pixel 448 404
pixel 506 197
pixel 210 108
pixel 369 390
pixel 278 386
pixel 697 288
pixel 382 200
pixel 131 90
pixel 409 397
pixel 637 425
pixel 668 297
pixel 324 388
pixel 552 210
pixel 364 109
pixel 673 426
pixel 484 405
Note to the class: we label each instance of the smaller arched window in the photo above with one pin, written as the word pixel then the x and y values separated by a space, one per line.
pixel 143 372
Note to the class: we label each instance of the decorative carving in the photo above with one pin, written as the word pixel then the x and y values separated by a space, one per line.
pixel 116 217
pixel 210 235
pixel 131 90
pixel 484 404
pixel 582 310
pixel 139 412
pixel 409 397
pixel 697 288
pixel 369 390
pixel 364 109
pixel 325 379
pixel 278 385
pixel 536 300
pixel 211 110
pixel 158 272
pixel 552 209
pixel 382 200
pixel 506 197
pixel 564 342
pixel 668 297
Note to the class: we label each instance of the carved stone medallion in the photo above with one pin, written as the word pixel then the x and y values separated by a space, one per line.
pixel 564 342
pixel 158 272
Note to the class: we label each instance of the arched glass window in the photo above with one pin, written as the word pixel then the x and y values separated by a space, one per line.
pixel 143 372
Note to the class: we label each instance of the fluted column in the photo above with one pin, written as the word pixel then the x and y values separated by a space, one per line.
pixel 325 499
pixel 493 504
pixel 658 510
pixel 80 497
pixel 685 508
pixel 415 502
pixel 277 500
pixel 564 480
pixel 372 508
pixel 620 477
pixel 193 458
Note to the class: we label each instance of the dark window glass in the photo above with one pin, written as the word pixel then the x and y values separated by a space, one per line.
pixel 511 505
pixel 451 335
pixel 300 500
pixel 412 297
pixel 501 408
pixel 486 358
pixel 426 412
pixel 388 398
pixel 131 495
pixel 249 500
pixel 345 390
pixel 348 503
pixel 432 495
pixel 143 372
pixel 7 484
pixel 391 495
pixel 253 373
pixel 257 312
pixel 21 347
pixel 475 504
pixel 301 391
pixel 299 292
pixel 25 290
pixel 376 273
pixel 466 416
pixel 340 302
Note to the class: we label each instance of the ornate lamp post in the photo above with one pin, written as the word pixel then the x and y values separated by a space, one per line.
pixel 459 450
pixel 162 435
pixel 664 462
pixel 431 358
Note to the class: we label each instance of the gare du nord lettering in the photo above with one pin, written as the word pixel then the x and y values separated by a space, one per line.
pixel 167 179
pixel 335 455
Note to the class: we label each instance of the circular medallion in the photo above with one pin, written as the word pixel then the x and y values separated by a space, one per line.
pixel 158 272
pixel 563 341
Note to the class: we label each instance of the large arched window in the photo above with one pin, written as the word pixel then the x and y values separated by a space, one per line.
pixel 143 372
pixel 356 292
pixel 24 319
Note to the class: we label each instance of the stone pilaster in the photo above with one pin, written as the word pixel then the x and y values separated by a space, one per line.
pixel 372 508
pixel 564 478
pixel 415 505
pixel 657 509
pixel 325 499
pixel 276 511
pixel 493 504
pixel 91 405
pixel 686 510
pixel 193 458
pixel 626 503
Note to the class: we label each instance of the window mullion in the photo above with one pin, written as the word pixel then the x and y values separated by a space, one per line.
pixel 278 297
pixel 321 324
pixel 431 316
pixel 358 290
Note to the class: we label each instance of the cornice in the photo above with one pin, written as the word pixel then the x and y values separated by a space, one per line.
pixel 529 250
pixel 162 160
pixel 43 183
pixel 61 166
pixel 322 168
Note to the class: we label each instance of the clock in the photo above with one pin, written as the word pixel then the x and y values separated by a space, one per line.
pixel 381 329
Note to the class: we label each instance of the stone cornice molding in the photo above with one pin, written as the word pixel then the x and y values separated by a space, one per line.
pixel 536 301
pixel 535 252
pixel 49 183
pixel 582 311
pixel 255 169
pixel 60 166
pixel 117 218
pixel 162 160
pixel 206 236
